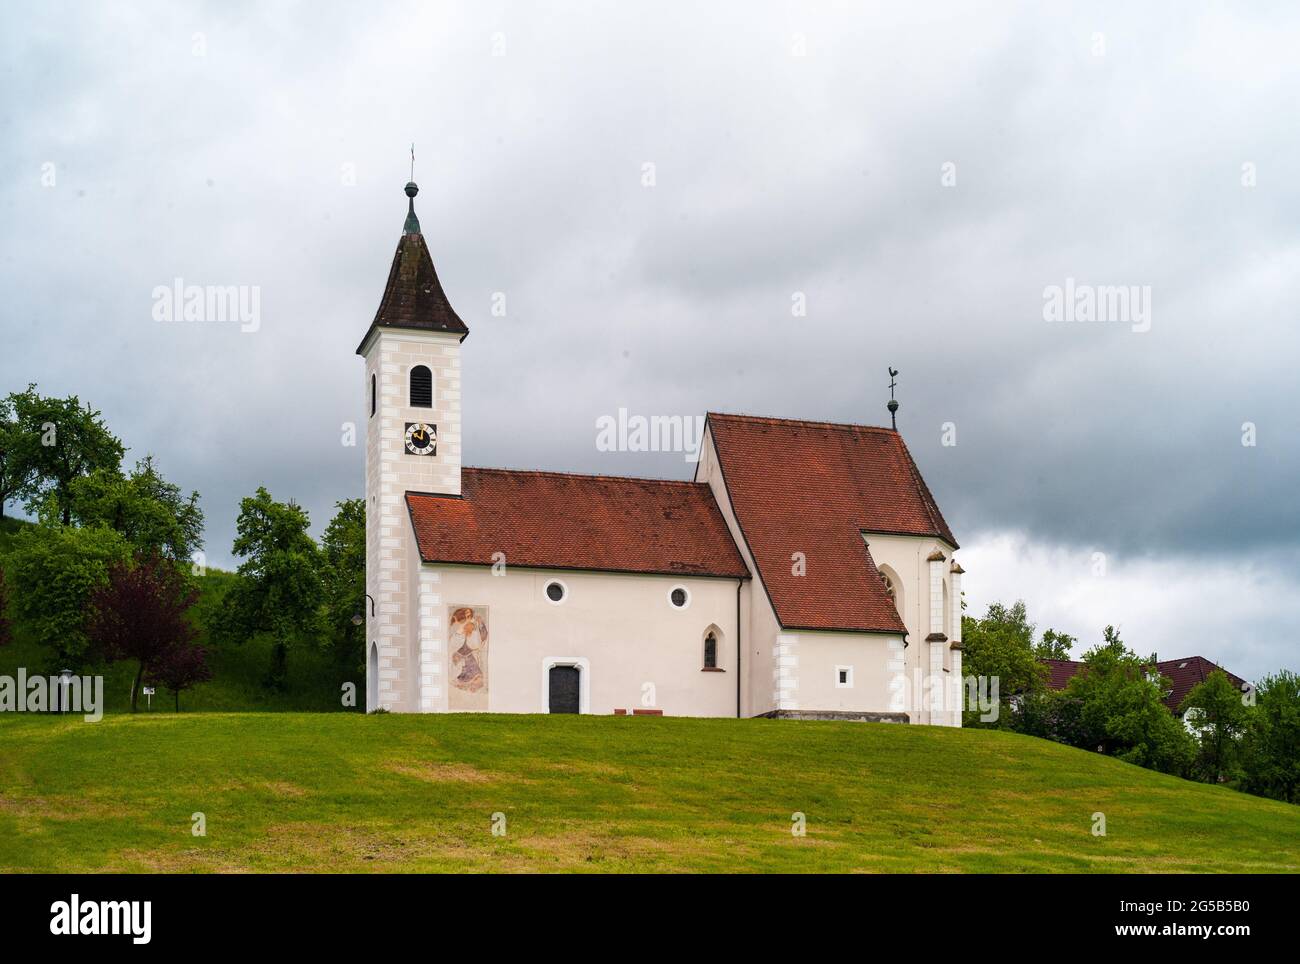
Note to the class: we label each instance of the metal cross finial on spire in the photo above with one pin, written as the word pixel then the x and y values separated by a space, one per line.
pixel 893 404
pixel 412 160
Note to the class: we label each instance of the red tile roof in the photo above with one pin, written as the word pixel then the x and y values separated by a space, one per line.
pixel 553 520
pixel 815 487
pixel 1059 672
pixel 1183 674
pixel 413 297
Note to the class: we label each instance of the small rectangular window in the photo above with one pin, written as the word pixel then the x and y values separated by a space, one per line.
pixel 844 677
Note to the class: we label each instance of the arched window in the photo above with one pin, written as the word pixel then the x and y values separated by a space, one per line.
pixel 710 651
pixel 374 396
pixel 893 586
pixel 421 387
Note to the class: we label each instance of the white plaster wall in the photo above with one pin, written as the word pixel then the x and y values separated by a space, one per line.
pixel 870 656
pixel 621 624
pixel 763 677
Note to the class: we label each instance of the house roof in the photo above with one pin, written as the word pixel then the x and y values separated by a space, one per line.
pixel 1183 674
pixel 1060 671
pixel 413 297
pixel 554 520
pixel 815 488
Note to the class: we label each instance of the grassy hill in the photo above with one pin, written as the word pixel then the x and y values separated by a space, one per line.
pixel 345 792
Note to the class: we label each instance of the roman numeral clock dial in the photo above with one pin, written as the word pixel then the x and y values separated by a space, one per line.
pixel 421 439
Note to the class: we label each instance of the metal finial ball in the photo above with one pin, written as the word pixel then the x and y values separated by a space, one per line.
pixel 412 189
pixel 893 405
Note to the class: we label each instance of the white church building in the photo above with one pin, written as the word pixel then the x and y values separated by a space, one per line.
pixel 804 572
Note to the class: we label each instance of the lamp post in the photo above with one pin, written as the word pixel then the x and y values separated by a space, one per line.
pixel 64 677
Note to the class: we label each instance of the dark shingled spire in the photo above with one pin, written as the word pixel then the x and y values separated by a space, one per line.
pixel 414 297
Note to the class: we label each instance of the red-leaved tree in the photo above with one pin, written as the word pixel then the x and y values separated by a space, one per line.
pixel 140 613
pixel 180 667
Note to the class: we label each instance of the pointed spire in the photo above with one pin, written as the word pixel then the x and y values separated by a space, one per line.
pixel 413 297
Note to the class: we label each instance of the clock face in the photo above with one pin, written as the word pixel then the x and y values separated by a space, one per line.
pixel 421 439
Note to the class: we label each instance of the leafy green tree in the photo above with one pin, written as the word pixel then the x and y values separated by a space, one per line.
pixel 344 550
pixel 148 510
pixel 1113 705
pixel 6 631
pixel 1001 645
pixel 1271 748
pixel 62 440
pixel 17 463
pixel 55 571
pixel 279 589
pixel 1214 708
pixel 1054 645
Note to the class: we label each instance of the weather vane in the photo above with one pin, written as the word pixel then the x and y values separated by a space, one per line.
pixel 412 160
pixel 893 404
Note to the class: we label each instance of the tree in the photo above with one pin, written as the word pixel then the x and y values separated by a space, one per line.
pixel 1001 645
pixel 181 667
pixel 54 572
pixel 344 550
pixel 1215 709
pixel 1114 705
pixel 17 465
pixel 147 509
pixel 6 631
pixel 63 440
pixel 279 587
pixel 141 613
pixel 1054 645
pixel 1271 748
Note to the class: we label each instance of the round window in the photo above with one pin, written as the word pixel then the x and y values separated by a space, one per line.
pixel 555 591
pixel 679 597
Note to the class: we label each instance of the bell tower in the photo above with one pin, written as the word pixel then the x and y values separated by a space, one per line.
pixel 413 444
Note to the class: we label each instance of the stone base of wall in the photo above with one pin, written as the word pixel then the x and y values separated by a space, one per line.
pixel 863 717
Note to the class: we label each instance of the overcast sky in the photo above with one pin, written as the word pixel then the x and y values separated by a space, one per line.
pixel 920 173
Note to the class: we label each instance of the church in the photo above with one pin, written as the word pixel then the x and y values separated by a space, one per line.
pixel 804 572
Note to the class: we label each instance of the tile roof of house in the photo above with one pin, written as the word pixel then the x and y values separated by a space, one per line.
pixel 554 520
pixel 815 488
pixel 1183 674
pixel 413 297
pixel 1060 671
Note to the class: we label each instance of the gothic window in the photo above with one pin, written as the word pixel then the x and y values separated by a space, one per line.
pixel 421 387
pixel 710 651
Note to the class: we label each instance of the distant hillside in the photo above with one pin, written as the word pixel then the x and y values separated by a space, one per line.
pixel 345 792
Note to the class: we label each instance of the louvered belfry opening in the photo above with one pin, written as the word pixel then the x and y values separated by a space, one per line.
pixel 421 387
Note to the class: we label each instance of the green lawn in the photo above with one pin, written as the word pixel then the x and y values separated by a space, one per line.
pixel 346 792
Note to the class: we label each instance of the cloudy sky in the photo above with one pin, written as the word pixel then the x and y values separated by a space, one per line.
pixel 919 173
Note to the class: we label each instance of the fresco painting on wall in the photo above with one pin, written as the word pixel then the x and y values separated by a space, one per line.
pixel 468 644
